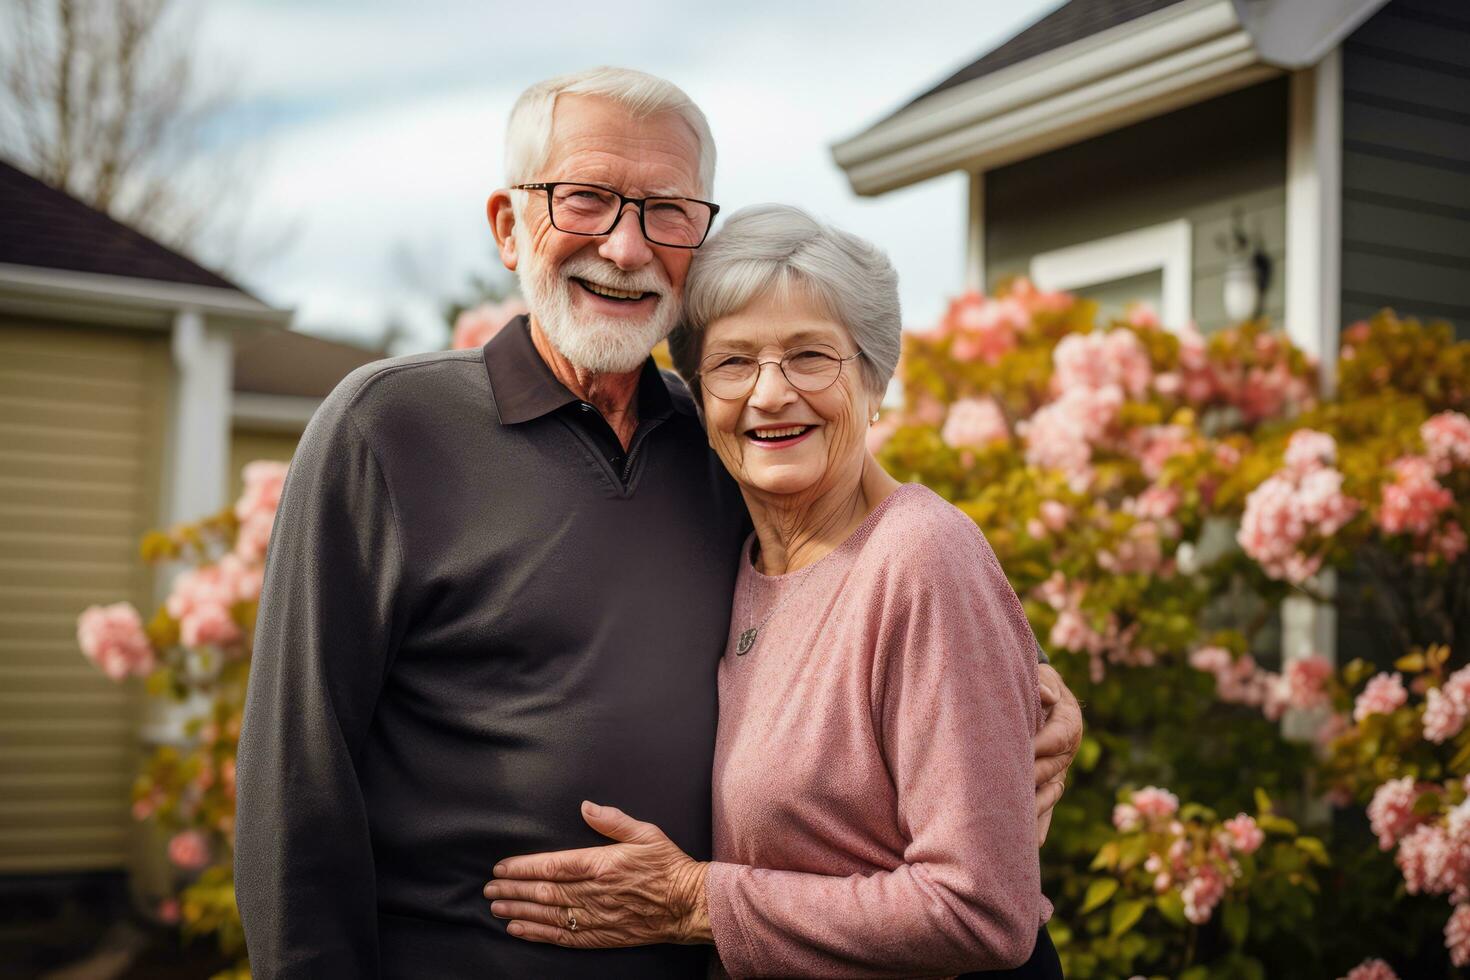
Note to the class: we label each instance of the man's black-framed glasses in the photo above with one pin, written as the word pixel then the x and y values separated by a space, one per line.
pixel 810 368
pixel 590 209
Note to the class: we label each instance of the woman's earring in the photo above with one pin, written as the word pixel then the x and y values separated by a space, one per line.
pixel 874 418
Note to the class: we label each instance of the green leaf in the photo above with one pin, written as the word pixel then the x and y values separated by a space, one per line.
pixel 1410 664
pixel 1461 758
pixel 1263 802
pixel 1314 850
pixel 1236 919
pixel 1088 753
pixel 1125 915
pixel 1107 857
pixel 1171 907
pixel 1273 824
pixel 1098 893
pixel 1132 852
pixel 1426 804
pixel 1196 973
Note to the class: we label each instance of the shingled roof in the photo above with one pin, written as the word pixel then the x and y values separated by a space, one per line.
pixel 1070 22
pixel 50 229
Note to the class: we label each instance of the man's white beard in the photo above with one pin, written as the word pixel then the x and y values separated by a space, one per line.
pixel 602 346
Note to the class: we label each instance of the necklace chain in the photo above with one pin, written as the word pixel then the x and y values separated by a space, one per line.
pixel 746 641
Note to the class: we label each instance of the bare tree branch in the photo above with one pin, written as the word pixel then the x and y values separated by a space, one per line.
pixel 104 102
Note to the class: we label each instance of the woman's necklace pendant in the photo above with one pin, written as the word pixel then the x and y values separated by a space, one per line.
pixel 746 641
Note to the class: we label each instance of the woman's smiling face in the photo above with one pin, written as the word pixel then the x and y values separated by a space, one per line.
pixel 778 439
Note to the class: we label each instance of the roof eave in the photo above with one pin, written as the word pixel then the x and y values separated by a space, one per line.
pixel 126 301
pixel 1159 62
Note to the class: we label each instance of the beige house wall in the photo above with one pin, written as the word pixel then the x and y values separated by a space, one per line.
pixel 82 416
pixel 248 445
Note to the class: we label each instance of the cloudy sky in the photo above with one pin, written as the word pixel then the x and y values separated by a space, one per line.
pixel 373 128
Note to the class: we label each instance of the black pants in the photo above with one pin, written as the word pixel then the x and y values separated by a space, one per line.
pixel 1043 964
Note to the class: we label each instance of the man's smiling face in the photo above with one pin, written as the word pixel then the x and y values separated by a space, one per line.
pixel 605 301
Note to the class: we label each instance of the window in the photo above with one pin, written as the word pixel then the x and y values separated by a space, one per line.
pixel 1151 264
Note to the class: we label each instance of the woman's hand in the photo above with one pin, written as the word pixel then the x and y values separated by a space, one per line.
pixel 641 890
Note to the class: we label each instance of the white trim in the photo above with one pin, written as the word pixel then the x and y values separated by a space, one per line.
pixel 273 413
pixel 1137 42
pixel 1314 212
pixel 975 239
pixel 1167 247
pixel 126 300
pixel 1162 61
pixel 199 445
pixel 1296 34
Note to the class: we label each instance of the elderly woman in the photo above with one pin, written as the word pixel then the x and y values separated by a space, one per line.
pixel 873 791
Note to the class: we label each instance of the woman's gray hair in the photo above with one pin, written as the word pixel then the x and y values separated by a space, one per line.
pixel 782 249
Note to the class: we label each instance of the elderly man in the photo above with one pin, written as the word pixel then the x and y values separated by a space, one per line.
pixel 499 583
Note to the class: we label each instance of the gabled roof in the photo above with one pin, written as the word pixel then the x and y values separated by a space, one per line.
pixel 1089 67
pixel 295 365
pixel 1072 21
pixel 47 228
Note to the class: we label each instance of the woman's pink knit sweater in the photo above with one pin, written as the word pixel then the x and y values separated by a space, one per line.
pixel 874 804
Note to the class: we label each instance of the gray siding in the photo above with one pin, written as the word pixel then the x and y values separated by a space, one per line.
pixel 1406 163
pixel 1202 163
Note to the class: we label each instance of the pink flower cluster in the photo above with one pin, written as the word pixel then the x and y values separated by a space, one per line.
pixel 1099 360
pixel 1264 388
pixel 1155 445
pixel 1073 631
pixel 1415 503
pixel 1195 379
pixel 1435 858
pixel 1203 874
pixel 1447 440
pixel 983 328
pixel 1093 375
pixel 1302 686
pixel 1383 695
pixel 189 850
pixel 1245 835
pixel 1052 517
pixel 1061 434
pixel 1414 500
pixel 1372 969
pixel 1150 808
pixel 1457 935
pixel 256 508
pixel 975 423
pixel 1447 708
pixel 112 637
pixel 1433 851
pixel 1391 811
pixel 1139 552
pixel 202 598
pixel 1301 502
pixel 474 327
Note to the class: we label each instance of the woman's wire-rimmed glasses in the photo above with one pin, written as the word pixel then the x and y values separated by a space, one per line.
pixel 593 210
pixel 810 368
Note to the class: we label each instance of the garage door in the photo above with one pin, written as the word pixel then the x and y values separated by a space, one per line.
pixel 81 415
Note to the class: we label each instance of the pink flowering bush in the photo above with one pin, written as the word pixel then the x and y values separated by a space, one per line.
pixel 1171 867
pixel 1154 495
pixel 196 651
pixel 112 638
pixel 475 326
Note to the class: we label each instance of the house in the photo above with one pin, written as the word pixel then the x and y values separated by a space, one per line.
pixel 133 384
pixel 1306 159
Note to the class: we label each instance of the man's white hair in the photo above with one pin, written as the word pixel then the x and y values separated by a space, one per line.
pixel 528 134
